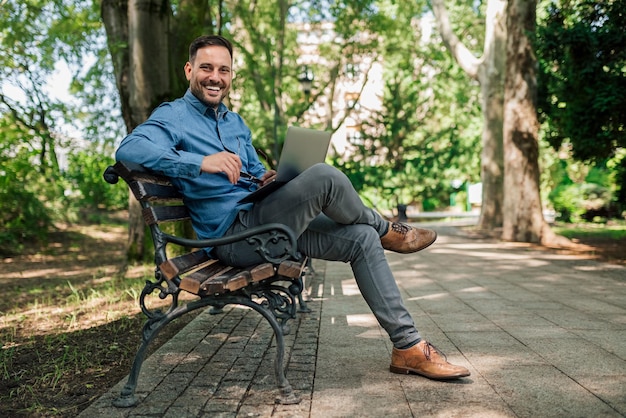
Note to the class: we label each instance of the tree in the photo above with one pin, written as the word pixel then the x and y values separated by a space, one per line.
pixel 39 126
pixel 29 57
pixel 489 70
pixel 582 80
pixel 523 214
pixel 423 137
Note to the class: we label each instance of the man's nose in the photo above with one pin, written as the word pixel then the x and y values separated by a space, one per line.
pixel 214 74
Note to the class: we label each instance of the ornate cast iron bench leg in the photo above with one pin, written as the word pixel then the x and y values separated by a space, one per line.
pixel 152 327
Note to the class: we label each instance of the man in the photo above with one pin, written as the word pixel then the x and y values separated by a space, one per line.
pixel 204 148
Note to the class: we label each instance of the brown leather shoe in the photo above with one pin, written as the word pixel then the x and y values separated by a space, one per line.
pixel 424 359
pixel 403 238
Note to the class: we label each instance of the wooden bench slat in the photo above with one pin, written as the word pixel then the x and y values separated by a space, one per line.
pixel 236 282
pixel 241 278
pixel 217 278
pixel 157 214
pixel 261 272
pixel 185 263
pixel 193 281
pixel 292 269
pixel 216 284
pixel 154 192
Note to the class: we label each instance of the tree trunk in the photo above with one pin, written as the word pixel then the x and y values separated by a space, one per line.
pixel 193 18
pixel 148 41
pixel 489 71
pixel 114 15
pixel 523 215
pixel 138 39
pixel 491 76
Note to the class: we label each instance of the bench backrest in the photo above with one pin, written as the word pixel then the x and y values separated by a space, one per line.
pixel 161 203
pixel 193 271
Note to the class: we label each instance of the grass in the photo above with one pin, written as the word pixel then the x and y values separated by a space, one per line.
pixel 70 322
pixel 616 230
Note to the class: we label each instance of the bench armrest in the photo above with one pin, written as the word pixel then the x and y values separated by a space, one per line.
pixel 276 232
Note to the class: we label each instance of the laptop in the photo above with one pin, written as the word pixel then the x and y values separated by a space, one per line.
pixel 302 149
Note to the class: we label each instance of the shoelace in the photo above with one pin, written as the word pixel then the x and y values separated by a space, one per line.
pixel 428 347
pixel 400 228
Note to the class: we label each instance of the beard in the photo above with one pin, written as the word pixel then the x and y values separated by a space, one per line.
pixel 202 94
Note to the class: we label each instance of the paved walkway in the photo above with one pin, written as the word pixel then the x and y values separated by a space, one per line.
pixel 544 335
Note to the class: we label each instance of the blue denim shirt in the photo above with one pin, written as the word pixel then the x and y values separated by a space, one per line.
pixel 174 140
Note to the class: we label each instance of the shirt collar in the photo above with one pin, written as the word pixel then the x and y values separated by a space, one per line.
pixel 202 108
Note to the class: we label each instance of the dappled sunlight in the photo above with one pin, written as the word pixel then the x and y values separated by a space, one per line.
pixel 368 321
pixel 57 272
pixel 41 320
pixel 349 288
pixel 475 289
pixel 432 296
pixel 317 293
pixel 475 246
pixel 71 284
pixel 77 312
pixel 361 320
pixel 416 278
pixel 139 271
pixel 442 295
pixel 395 262
pixel 497 258
pixel 499 255
pixel 601 267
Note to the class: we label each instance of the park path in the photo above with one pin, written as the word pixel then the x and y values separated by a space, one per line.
pixel 542 334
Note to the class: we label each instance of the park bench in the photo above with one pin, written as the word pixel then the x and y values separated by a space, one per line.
pixel 272 288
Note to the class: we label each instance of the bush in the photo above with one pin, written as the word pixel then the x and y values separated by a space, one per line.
pixel 577 202
pixel 23 218
pixel 85 174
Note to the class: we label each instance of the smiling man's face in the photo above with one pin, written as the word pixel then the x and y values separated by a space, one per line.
pixel 210 74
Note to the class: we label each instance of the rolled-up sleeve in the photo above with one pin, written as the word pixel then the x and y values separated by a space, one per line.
pixel 156 145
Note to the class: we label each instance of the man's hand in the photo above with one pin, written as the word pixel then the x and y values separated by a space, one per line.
pixel 268 176
pixel 223 162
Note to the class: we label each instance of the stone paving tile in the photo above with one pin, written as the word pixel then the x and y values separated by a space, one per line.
pixel 226 370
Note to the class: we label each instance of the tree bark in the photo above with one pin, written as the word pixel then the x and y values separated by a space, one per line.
pixel 148 41
pixel 491 77
pixel 114 15
pixel 489 70
pixel 523 214
pixel 138 40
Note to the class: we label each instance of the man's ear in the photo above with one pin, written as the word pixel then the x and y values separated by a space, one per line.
pixel 188 70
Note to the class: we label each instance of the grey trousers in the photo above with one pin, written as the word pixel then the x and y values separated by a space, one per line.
pixel 332 223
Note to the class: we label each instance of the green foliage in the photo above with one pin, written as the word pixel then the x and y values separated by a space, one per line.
pixel 428 131
pixel 577 202
pixel 581 79
pixel 39 123
pixel 23 217
pixel 84 173
pixel 614 231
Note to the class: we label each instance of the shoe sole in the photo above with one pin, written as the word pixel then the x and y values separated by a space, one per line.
pixel 427 245
pixel 417 249
pixel 403 370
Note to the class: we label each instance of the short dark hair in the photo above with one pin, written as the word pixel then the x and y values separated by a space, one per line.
pixel 208 40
